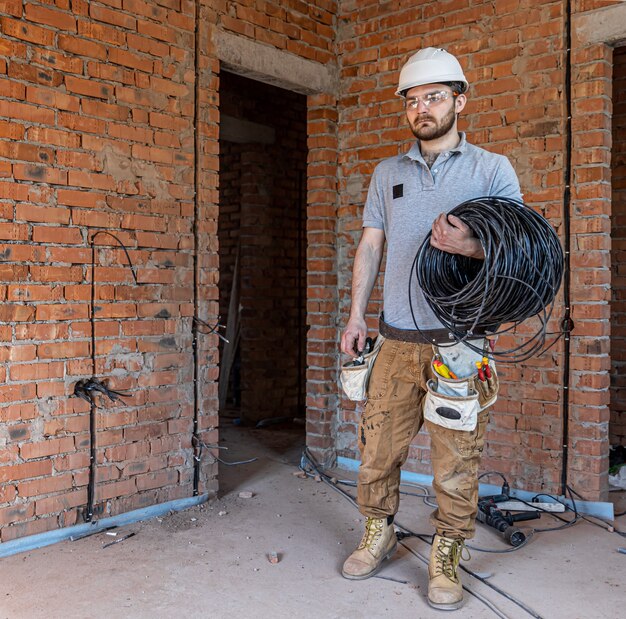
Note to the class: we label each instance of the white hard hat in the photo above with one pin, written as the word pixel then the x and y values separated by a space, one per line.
pixel 430 66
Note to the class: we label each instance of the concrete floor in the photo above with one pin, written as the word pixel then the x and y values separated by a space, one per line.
pixel 198 563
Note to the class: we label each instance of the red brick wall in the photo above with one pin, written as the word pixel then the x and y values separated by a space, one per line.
pixel 97 132
pixel 101 127
pixel 513 54
pixel 97 110
pixel 229 223
pixel 618 253
pixel 590 264
pixel 323 246
pixel 305 29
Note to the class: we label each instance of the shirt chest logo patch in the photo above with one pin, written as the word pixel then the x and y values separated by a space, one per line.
pixel 398 191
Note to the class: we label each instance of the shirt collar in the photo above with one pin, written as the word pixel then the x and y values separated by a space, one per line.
pixel 462 145
pixel 416 154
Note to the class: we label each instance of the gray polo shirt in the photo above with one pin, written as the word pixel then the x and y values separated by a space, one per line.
pixel 405 197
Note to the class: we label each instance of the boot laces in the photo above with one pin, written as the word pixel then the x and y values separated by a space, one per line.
pixel 448 555
pixel 373 532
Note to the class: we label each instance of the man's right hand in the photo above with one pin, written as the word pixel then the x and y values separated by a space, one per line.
pixel 353 338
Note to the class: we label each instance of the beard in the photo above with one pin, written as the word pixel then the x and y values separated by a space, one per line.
pixel 435 129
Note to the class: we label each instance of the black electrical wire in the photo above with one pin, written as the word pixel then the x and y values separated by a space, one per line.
pixel 567 219
pixel 91 484
pixel 609 526
pixel 199 447
pixel 309 459
pixel 519 277
pixel 478 596
pixel 195 432
pixel 425 495
pixel 567 523
pixel 488 473
pixel 528 535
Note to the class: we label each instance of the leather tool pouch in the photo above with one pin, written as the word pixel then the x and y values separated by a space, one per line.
pixel 355 375
pixel 455 403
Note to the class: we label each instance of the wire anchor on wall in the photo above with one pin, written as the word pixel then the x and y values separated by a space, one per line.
pixel 200 326
pixel 204 328
pixel 200 446
pixel 88 388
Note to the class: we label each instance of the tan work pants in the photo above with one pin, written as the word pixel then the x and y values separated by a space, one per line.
pixel 393 416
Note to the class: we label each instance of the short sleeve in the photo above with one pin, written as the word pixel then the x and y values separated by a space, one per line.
pixel 373 215
pixel 505 182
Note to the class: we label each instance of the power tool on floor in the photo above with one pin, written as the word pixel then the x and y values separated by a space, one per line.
pixel 490 514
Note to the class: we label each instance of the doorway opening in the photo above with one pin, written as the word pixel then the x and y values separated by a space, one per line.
pixel 617 423
pixel 262 252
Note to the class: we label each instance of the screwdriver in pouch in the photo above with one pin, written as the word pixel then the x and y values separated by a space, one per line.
pixel 481 373
pixel 486 368
pixel 443 370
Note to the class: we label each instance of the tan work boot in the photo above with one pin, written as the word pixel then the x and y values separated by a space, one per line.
pixel 445 591
pixel 379 543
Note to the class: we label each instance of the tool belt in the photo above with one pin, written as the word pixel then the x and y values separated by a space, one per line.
pixel 423 336
pixel 355 375
pixel 454 402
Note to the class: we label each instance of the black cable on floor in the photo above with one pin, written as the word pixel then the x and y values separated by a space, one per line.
pixel 310 460
pixel 477 595
pixel 609 526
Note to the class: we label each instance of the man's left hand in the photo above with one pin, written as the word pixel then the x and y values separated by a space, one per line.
pixel 451 235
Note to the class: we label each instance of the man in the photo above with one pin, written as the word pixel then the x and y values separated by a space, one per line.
pixel 406 193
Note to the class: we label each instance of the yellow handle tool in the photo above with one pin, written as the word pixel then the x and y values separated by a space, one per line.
pixel 443 370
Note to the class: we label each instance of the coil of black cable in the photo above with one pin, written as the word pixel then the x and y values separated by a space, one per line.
pixel 518 278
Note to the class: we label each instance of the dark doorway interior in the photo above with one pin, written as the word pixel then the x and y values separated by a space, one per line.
pixel 617 424
pixel 262 249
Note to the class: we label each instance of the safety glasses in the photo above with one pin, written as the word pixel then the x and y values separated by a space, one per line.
pixel 429 99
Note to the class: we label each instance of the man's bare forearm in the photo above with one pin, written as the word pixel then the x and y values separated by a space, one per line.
pixel 366 268
pixel 364 273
